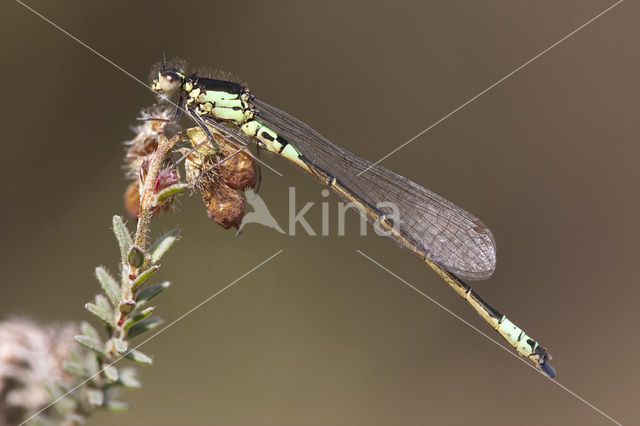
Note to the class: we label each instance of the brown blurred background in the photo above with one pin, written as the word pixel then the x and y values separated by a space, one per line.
pixel 320 335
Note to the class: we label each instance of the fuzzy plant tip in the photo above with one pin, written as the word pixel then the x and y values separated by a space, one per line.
pixel 32 358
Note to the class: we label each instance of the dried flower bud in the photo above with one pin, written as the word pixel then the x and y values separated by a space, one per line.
pixel 238 172
pixel 167 177
pixel 224 205
pixel 132 199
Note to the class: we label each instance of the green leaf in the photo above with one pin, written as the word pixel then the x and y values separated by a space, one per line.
pixel 103 303
pixel 100 313
pixel 163 244
pixel 95 397
pixel 73 355
pixel 138 317
pixel 111 373
pixel 135 257
pixel 138 357
pixel 75 369
pixel 90 343
pixel 88 330
pixel 130 383
pixel 117 406
pixel 144 276
pixel 122 235
pixel 53 393
pixel 124 277
pixel 121 345
pixel 40 420
pixel 68 391
pixel 143 326
pixel 75 418
pixel 109 285
pixel 91 364
pixel 66 401
pixel 172 190
pixel 128 379
pixel 151 291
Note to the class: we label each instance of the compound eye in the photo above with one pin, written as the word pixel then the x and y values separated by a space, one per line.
pixel 168 81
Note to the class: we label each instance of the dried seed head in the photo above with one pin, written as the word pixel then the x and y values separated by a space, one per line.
pixel 154 121
pixel 239 171
pixel 224 205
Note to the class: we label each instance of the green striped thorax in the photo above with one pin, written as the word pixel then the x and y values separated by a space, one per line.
pixel 224 101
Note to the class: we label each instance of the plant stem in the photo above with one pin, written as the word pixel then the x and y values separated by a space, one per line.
pixel 148 195
pixel 147 205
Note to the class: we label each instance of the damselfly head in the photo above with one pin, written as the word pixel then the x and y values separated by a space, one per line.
pixel 168 81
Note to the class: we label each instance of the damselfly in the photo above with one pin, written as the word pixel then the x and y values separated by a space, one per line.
pixel 452 241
